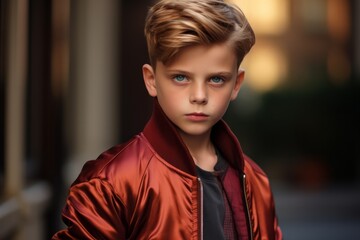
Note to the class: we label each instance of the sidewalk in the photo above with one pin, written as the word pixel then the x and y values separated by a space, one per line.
pixel 330 214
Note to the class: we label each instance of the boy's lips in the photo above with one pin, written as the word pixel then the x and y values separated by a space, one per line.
pixel 195 116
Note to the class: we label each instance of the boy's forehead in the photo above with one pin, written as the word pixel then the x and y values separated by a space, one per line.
pixel 215 55
pixel 192 52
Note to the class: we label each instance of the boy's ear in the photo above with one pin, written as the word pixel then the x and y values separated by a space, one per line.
pixel 239 80
pixel 149 79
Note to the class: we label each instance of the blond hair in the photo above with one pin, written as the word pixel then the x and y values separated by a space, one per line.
pixel 172 25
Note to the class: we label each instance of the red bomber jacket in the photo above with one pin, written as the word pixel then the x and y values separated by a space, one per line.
pixel 148 188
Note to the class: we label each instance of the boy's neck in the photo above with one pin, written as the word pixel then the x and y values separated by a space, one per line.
pixel 202 150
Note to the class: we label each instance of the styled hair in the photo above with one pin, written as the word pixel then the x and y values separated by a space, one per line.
pixel 172 25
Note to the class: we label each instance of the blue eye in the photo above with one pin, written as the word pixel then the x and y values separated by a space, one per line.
pixel 217 80
pixel 179 78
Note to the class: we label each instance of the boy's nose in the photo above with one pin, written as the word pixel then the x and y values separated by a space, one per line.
pixel 199 94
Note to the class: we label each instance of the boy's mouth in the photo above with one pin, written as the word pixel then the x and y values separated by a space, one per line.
pixel 195 116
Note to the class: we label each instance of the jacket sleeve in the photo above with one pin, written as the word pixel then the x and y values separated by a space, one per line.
pixel 93 211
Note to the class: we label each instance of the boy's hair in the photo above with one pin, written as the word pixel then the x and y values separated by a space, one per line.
pixel 172 25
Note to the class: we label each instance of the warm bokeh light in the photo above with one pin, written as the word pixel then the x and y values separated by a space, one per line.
pixel 266 17
pixel 265 67
pixel 338 19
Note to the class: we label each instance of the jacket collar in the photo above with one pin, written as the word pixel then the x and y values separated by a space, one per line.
pixel 164 138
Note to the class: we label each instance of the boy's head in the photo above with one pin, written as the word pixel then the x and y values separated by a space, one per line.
pixel 172 25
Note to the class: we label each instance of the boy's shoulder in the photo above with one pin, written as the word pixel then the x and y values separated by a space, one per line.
pixel 252 167
pixel 119 162
pixel 256 179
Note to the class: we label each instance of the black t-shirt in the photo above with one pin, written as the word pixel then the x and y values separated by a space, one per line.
pixel 213 201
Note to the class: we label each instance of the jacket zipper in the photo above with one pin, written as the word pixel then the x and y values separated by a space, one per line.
pixel 201 212
pixel 247 208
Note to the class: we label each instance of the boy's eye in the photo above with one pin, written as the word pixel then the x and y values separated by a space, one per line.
pixel 179 78
pixel 217 80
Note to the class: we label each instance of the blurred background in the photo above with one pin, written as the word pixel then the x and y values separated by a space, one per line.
pixel 71 87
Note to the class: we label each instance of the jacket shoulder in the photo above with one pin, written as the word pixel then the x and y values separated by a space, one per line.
pixel 121 162
pixel 260 197
pixel 252 166
pixel 257 179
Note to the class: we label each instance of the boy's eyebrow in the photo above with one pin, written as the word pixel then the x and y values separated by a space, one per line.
pixel 178 71
pixel 223 73
pixel 220 73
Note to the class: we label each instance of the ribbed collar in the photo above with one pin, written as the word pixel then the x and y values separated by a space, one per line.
pixel 166 141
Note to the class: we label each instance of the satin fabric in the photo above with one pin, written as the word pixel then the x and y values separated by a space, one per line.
pixel 147 188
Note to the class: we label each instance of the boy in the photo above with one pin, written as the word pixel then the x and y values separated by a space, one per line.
pixel 184 176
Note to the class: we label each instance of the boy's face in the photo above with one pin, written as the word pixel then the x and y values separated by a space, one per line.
pixel 195 89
